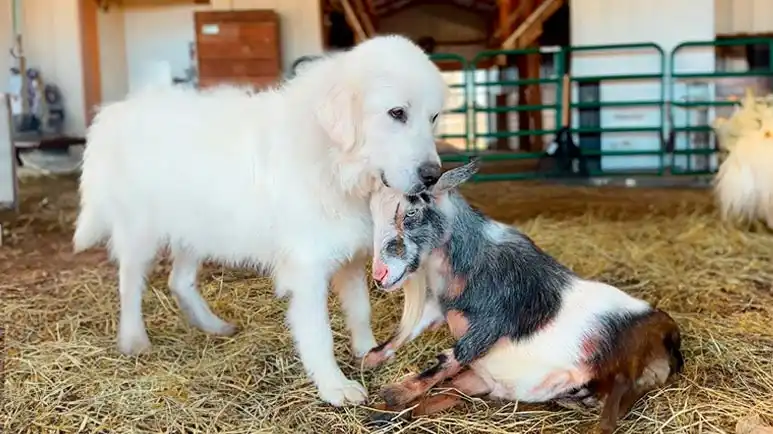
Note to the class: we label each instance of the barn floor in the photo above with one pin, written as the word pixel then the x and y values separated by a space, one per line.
pixel 63 373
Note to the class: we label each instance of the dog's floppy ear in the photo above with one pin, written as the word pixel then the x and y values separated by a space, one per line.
pixel 339 110
pixel 455 177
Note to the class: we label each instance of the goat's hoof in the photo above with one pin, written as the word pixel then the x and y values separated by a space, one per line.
pixel 382 417
pixel 375 358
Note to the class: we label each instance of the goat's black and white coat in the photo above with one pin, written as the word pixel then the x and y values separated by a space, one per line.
pixel 529 328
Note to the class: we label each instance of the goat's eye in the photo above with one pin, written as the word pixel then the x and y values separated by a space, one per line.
pixel 433 118
pixel 410 212
pixel 398 114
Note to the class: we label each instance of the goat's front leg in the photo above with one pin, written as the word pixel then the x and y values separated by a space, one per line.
pixel 475 338
pixel 431 316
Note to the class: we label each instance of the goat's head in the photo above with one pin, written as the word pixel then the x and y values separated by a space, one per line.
pixel 409 227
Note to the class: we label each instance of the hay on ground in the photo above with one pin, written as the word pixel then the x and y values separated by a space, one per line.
pixel 63 373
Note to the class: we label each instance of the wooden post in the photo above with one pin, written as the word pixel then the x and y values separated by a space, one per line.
pixel 505 63
pixel 89 34
pixel 362 12
pixel 351 17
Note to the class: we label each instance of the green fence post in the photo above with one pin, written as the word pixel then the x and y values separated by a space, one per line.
pixel 464 85
pixel 474 65
pixel 660 103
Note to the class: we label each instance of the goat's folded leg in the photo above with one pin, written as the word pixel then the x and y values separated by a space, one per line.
pixel 466 383
pixel 398 395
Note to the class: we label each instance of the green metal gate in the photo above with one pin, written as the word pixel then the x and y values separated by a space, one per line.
pixel 481 133
pixel 460 89
pixel 657 76
pixel 476 79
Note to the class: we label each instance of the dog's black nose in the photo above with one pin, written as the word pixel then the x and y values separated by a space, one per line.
pixel 429 173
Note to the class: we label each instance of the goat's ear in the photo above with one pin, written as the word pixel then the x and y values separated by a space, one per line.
pixel 338 111
pixel 455 177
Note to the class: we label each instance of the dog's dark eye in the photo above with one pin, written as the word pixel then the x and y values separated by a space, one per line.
pixel 398 114
pixel 433 118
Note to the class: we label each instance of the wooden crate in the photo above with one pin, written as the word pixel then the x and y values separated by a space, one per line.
pixel 238 47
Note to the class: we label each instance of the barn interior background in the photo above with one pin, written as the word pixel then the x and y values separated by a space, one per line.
pixel 560 95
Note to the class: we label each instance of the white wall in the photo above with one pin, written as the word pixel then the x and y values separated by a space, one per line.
pixel 52 44
pixel 133 39
pixel 664 22
pixel 157 36
pixel 114 72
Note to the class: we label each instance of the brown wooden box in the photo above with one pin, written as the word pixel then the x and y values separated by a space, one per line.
pixel 238 47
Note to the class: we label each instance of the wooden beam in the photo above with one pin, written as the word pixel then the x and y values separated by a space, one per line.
pixel 537 17
pixel 460 42
pixel 88 11
pixel 534 98
pixel 505 9
pixel 360 10
pixel 351 18
pixel 521 10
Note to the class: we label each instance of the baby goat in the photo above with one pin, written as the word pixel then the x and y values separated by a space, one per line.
pixel 526 327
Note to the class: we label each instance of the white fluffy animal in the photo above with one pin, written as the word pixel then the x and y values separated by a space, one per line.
pixel 743 186
pixel 278 179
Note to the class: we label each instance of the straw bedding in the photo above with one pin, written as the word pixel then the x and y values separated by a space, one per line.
pixel 63 373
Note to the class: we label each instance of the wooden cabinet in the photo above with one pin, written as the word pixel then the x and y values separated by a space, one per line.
pixel 239 47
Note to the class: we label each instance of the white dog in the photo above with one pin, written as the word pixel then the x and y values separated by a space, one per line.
pixel 277 179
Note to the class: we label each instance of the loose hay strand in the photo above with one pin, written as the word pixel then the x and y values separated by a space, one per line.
pixel 63 374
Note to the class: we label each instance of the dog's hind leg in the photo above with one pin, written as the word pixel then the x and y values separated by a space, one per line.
pixel 182 282
pixel 135 256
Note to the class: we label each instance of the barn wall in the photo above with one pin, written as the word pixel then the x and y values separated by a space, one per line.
pixel 443 22
pixel 735 17
pixel 664 22
pixel 112 55
pixel 157 41
pixel 157 38
pixel 136 44
pixel 52 44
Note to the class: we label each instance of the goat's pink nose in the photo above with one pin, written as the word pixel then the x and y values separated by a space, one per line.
pixel 380 271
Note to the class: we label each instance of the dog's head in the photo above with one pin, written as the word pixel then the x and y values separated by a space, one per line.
pixel 380 106
pixel 407 228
